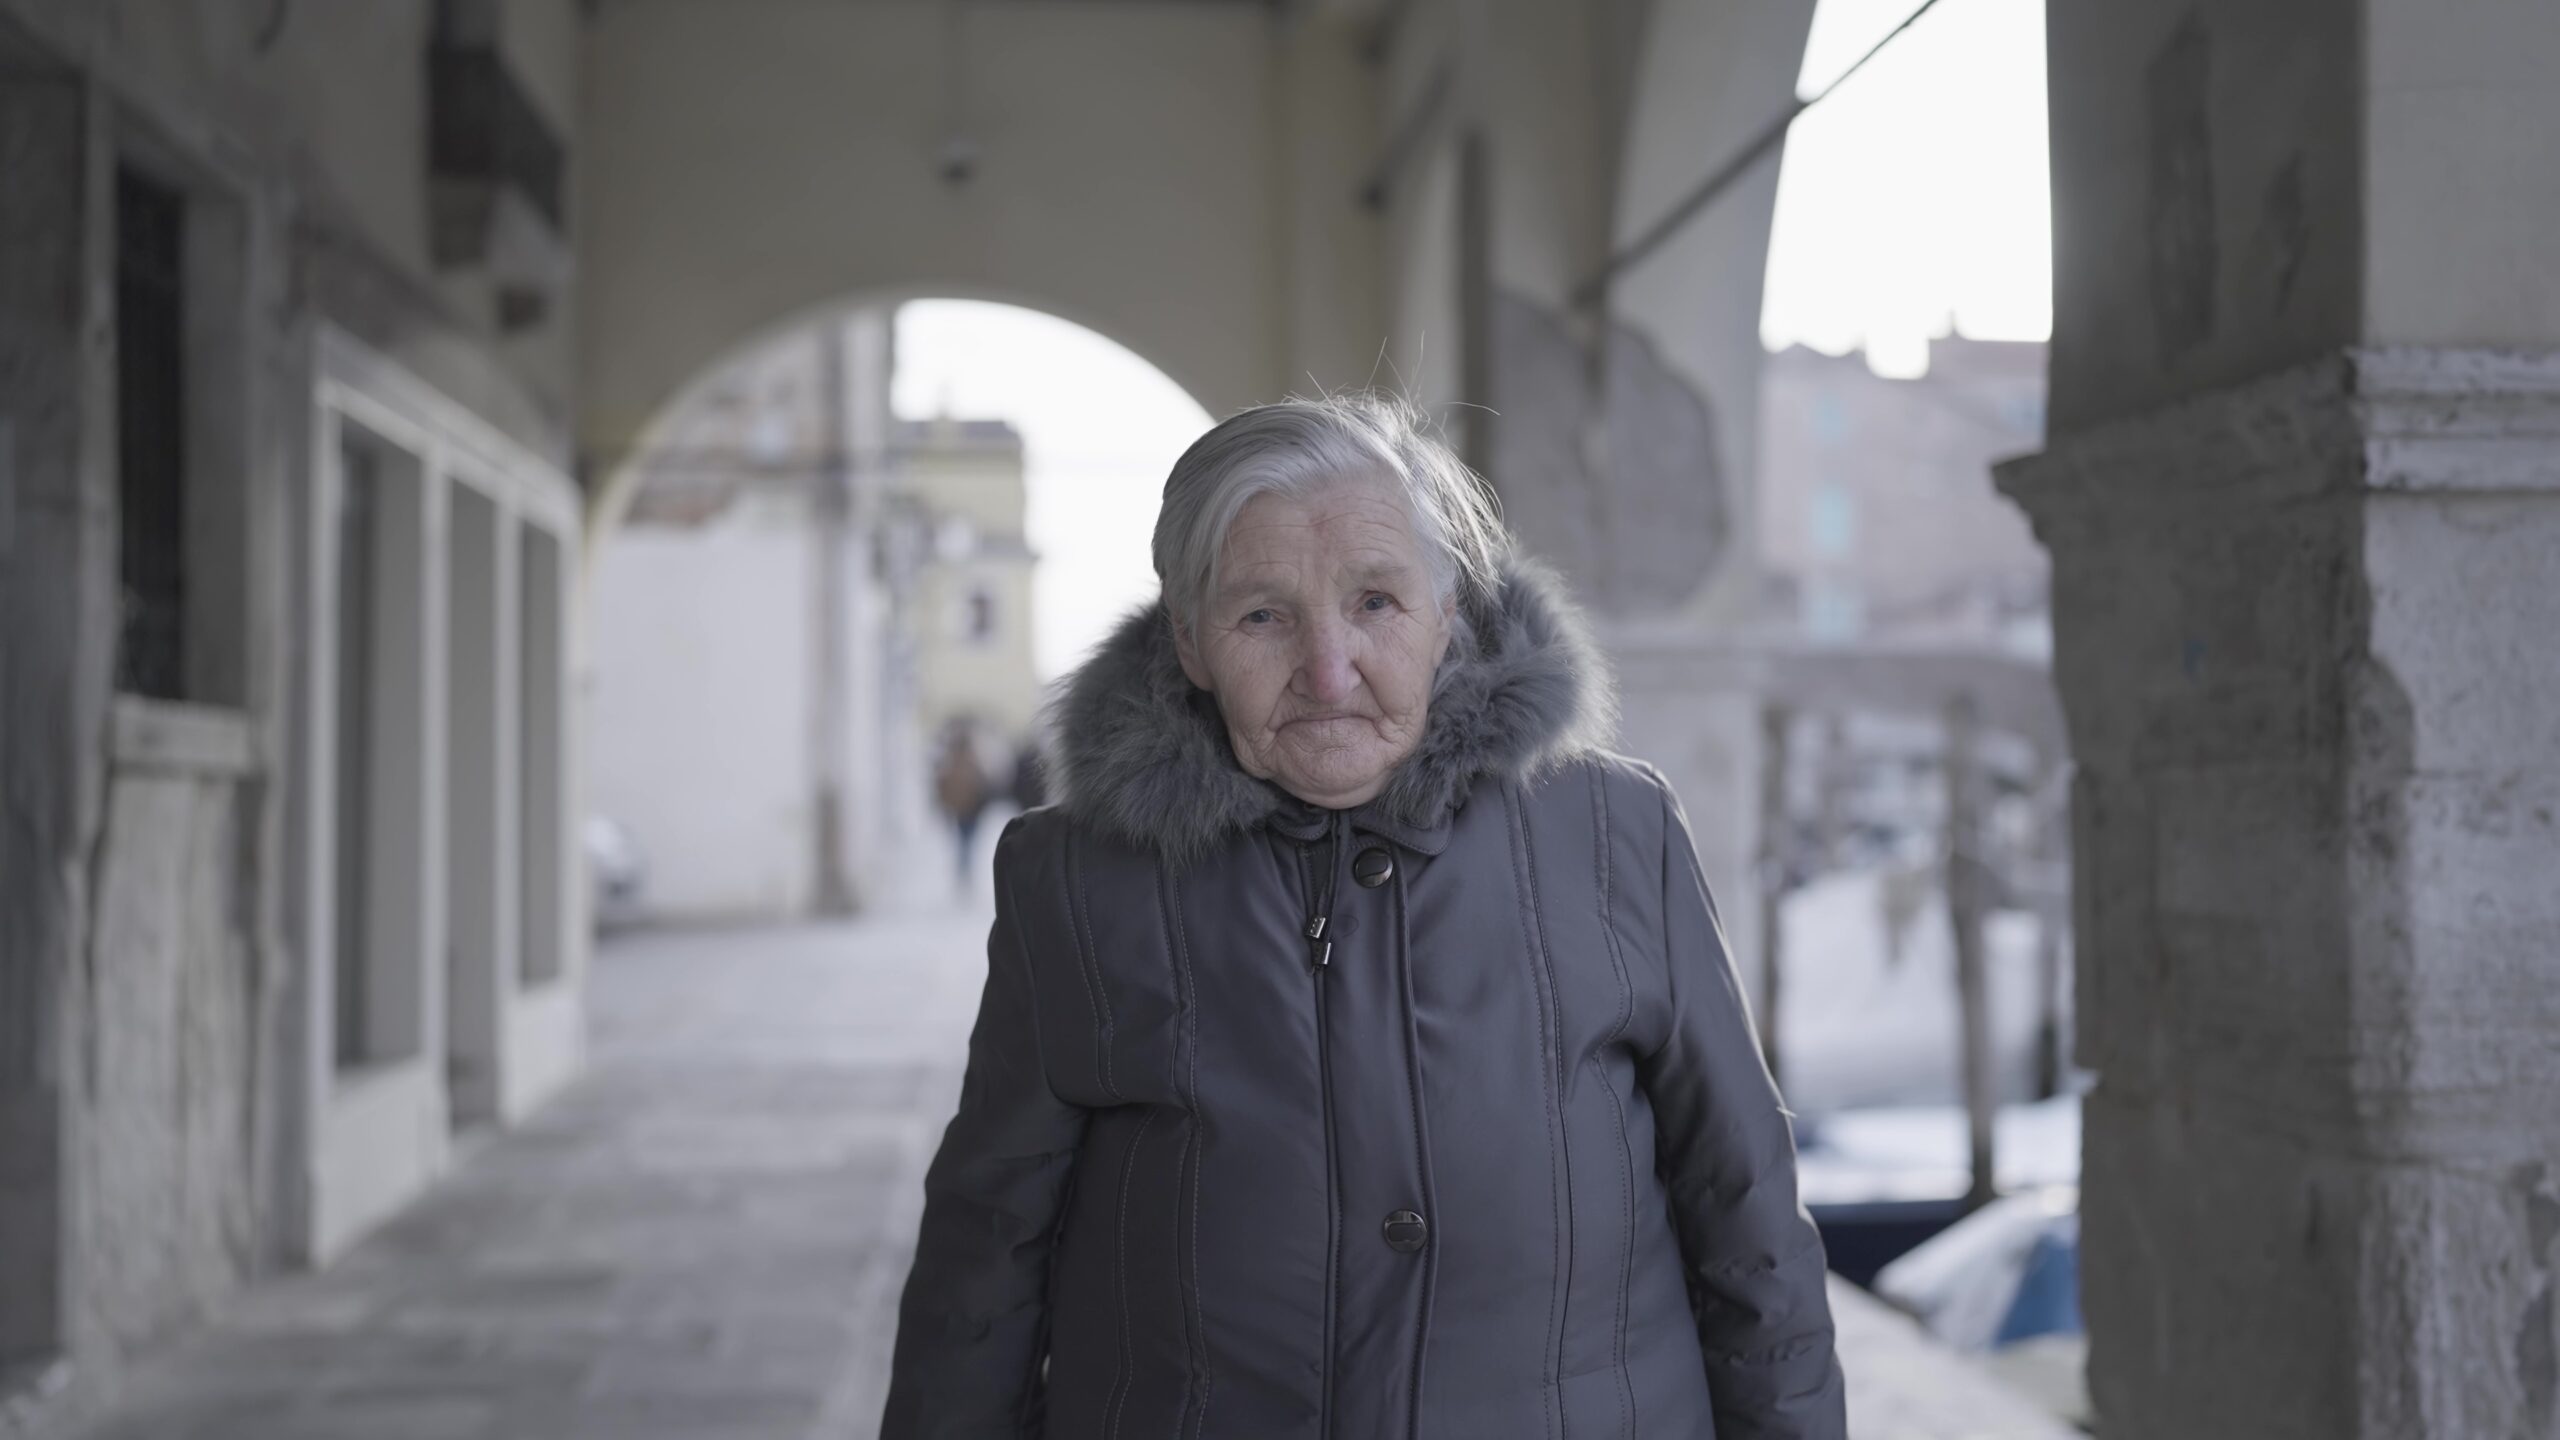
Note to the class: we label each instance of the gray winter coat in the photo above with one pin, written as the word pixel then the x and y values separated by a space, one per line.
pixel 1441 1117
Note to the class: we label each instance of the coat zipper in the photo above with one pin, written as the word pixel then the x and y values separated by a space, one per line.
pixel 1319 962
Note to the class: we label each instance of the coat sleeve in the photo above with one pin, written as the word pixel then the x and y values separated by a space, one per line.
pixel 1726 1151
pixel 973 1326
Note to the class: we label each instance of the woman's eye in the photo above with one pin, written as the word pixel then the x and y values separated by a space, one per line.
pixel 1260 617
pixel 1376 603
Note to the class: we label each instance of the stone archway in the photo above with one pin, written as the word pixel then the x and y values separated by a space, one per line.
pixel 612 474
pixel 1180 178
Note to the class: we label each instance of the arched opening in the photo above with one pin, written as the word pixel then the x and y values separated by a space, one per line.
pixel 828 589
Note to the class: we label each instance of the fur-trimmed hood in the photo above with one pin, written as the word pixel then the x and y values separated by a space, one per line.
pixel 1138 752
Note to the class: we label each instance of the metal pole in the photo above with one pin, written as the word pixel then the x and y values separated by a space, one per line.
pixel 833 722
pixel 1743 161
pixel 2053 915
pixel 1964 879
pixel 1475 303
pixel 1833 787
pixel 1774 724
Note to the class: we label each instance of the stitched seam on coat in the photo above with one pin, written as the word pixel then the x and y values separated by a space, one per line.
pixel 1329 1330
pixel 1626 1011
pixel 1089 965
pixel 1421 1154
pixel 1034 1391
pixel 1169 887
pixel 1562 1138
pixel 1123 1377
pixel 1524 880
pixel 1626 1245
pixel 1609 908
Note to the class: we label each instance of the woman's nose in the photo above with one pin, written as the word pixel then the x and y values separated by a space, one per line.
pixel 1326 674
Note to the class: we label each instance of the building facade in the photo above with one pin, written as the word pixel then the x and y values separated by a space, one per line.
pixel 1878 520
pixel 288 552
pixel 971 626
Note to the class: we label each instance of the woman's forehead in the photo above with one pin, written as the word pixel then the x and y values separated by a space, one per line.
pixel 1347 509
pixel 1352 530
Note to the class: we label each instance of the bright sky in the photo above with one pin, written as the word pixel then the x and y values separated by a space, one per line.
pixel 1912 199
pixel 1100 430
pixel 1917 195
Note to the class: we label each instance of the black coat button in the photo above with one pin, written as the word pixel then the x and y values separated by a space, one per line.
pixel 1406 1232
pixel 1371 868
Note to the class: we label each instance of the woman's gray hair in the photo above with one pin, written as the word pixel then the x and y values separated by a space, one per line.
pixel 1299 445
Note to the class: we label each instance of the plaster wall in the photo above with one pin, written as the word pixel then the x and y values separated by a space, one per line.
pixel 1328 123
pixel 1710 76
pixel 1618 431
pixel 1417 195
pixel 1621 434
pixel 170 1056
pixel 702 655
pixel 1535 80
pixel 1617 425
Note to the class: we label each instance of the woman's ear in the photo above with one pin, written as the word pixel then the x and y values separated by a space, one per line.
pixel 1188 653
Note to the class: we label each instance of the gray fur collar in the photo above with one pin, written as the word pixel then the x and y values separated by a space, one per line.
pixel 1140 754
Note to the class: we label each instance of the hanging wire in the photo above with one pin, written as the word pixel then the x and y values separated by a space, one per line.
pixel 1638 250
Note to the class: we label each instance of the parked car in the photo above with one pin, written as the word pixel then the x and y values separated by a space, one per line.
pixel 2006 1273
pixel 2004 1284
pixel 617 874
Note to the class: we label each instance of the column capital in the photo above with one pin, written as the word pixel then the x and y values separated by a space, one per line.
pixel 2380 420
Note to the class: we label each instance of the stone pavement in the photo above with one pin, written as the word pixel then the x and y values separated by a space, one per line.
pixel 701 1240
pixel 704 1238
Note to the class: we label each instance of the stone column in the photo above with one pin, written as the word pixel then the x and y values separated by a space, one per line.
pixel 2306 540
pixel 57 617
pixel 2304 635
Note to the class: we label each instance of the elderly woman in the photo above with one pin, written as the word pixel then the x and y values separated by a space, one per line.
pixel 1359 1056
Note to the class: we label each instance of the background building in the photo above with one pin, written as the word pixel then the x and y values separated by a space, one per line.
pixel 1878 520
pixel 972 618
pixel 289 552
pixel 770 667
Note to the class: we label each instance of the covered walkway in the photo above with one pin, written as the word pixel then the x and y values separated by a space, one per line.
pixel 704 1238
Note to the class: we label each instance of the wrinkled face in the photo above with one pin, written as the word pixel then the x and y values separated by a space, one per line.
pixel 1321 640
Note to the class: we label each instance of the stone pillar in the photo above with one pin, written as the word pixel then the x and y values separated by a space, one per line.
pixel 2306 545
pixel 2303 636
pixel 57 609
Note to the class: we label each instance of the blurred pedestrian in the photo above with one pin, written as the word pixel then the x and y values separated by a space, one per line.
pixel 1030 777
pixel 961 791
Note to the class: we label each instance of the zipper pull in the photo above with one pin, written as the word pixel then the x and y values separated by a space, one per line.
pixel 1317 944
